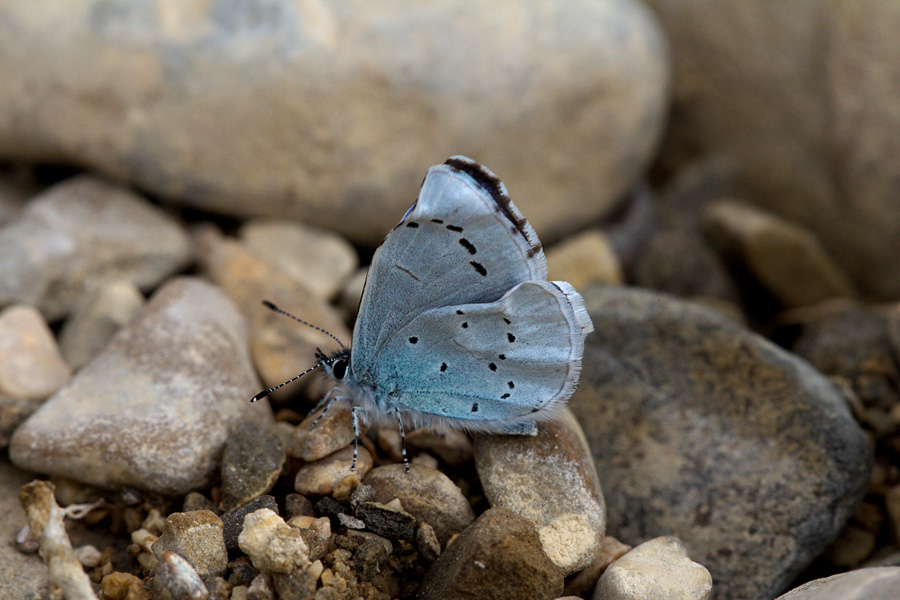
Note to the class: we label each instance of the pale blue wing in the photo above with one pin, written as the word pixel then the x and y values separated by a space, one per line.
pixel 462 242
pixel 489 366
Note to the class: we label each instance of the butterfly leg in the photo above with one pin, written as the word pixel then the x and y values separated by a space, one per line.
pixel 402 438
pixel 328 400
pixel 355 418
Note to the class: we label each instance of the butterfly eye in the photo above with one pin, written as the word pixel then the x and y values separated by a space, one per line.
pixel 339 369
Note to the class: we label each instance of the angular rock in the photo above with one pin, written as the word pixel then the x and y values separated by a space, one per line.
pixel 659 568
pixel 81 231
pixel 175 579
pixel 549 479
pixel 324 475
pixel 198 538
pixel 174 114
pixel 272 545
pixel 251 464
pixel 427 542
pixel 785 257
pixel 704 430
pixel 233 520
pixel 316 258
pixel 386 521
pixel 425 493
pixel 878 583
pixel 280 347
pixel 333 432
pixel 97 315
pixel 153 410
pixel 499 556
pixel 584 259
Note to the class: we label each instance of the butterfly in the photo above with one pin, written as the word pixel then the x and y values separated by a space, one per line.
pixel 457 325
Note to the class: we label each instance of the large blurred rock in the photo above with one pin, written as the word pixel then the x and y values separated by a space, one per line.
pixel 330 112
pixel 703 430
pixel 879 583
pixel 802 95
pixel 154 408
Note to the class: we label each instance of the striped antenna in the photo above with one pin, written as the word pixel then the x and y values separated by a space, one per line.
pixel 272 306
pixel 265 393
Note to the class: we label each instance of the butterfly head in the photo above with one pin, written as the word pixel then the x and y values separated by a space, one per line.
pixel 336 366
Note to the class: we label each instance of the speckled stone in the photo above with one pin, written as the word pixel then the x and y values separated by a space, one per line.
pixel 82 231
pixel 425 493
pixel 251 464
pixel 198 538
pixel 155 408
pixel 174 579
pixel 704 430
pixel 877 583
pixel 549 479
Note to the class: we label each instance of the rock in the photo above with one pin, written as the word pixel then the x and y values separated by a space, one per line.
pixel 298 505
pixel 175 579
pixel 233 520
pixel 370 552
pixel 549 479
pixel 659 568
pixel 499 556
pixel 31 366
pixel 786 258
pixel 316 258
pixel 153 410
pixel 321 477
pixel 81 231
pixel 321 526
pixel 706 431
pixel 427 542
pixel 386 521
pixel 197 501
pixel 281 348
pixel 682 263
pixel 261 588
pixel 802 99
pixel 97 315
pixel 451 446
pixel 298 584
pixel 426 494
pixel 878 583
pixel 251 464
pixel 333 432
pixel 23 575
pixel 582 583
pixel 123 586
pixel 584 259
pixel 219 589
pixel 331 76
pixel 198 538
pixel 853 546
pixel 272 545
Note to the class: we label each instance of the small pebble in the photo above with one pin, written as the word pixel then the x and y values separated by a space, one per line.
pixel 371 553
pixel 197 537
pixel 298 584
pixel 350 522
pixel 321 477
pixel 659 568
pixel 391 523
pixel 197 501
pixel 219 589
pixel 427 542
pixel 233 520
pixel 261 588
pixel 175 579
pixel 88 556
pixel 272 545
pixel 297 504
pixel 333 432
pixel 583 582
pixel 31 365
pixel 123 586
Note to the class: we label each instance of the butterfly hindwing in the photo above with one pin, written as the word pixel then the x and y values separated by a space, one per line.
pixel 489 366
pixel 462 242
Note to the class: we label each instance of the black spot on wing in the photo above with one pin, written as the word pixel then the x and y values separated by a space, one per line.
pixel 474 407
pixel 443 367
pixel 412 224
pixel 455 228
pixel 492 367
pixel 479 268
pixel 413 340
pixel 510 337
pixel 507 321
pixel 459 312
pixel 504 396
pixel 511 385
pixel 438 221
pixel 501 356
pixel 467 245
pixel 465 325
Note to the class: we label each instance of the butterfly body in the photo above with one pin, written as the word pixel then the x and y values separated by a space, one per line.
pixel 457 323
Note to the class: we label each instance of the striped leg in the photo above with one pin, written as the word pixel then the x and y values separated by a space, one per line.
pixel 402 438
pixel 355 417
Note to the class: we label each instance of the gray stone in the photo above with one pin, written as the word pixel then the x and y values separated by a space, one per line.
pixel 499 557
pixel 251 464
pixel 549 479
pixel 425 493
pixel 658 569
pixel 878 583
pixel 155 408
pixel 96 317
pixel 801 96
pixel 82 231
pixel 175 579
pixel 198 538
pixel 168 106
pixel 386 521
pixel 706 431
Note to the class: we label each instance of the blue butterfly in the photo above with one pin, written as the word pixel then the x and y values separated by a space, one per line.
pixel 457 324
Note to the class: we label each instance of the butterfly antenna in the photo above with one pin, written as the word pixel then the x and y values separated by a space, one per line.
pixel 272 306
pixel 265 393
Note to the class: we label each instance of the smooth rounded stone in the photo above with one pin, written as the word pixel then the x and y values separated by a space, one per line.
pixel 251 464
pixel 153 410
pixel 684 264
pixel 198 538
pixel 319 259
pixel 425 493
pixel 499 556
pixel 23 575
pixel 281 348
pixel 584 259
pixel 272 545
pixel 81 231
pixel 96 317
pixel 386 521
pixel 333 432
pixel 175 579
pixel 704 430
pixel 331 76
pixel 323 476
pixel 31 365
pixel 233 520
pixel 877 583
pixel 785 257
pixel 549 479
pixel 659 569
pixel 582 583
